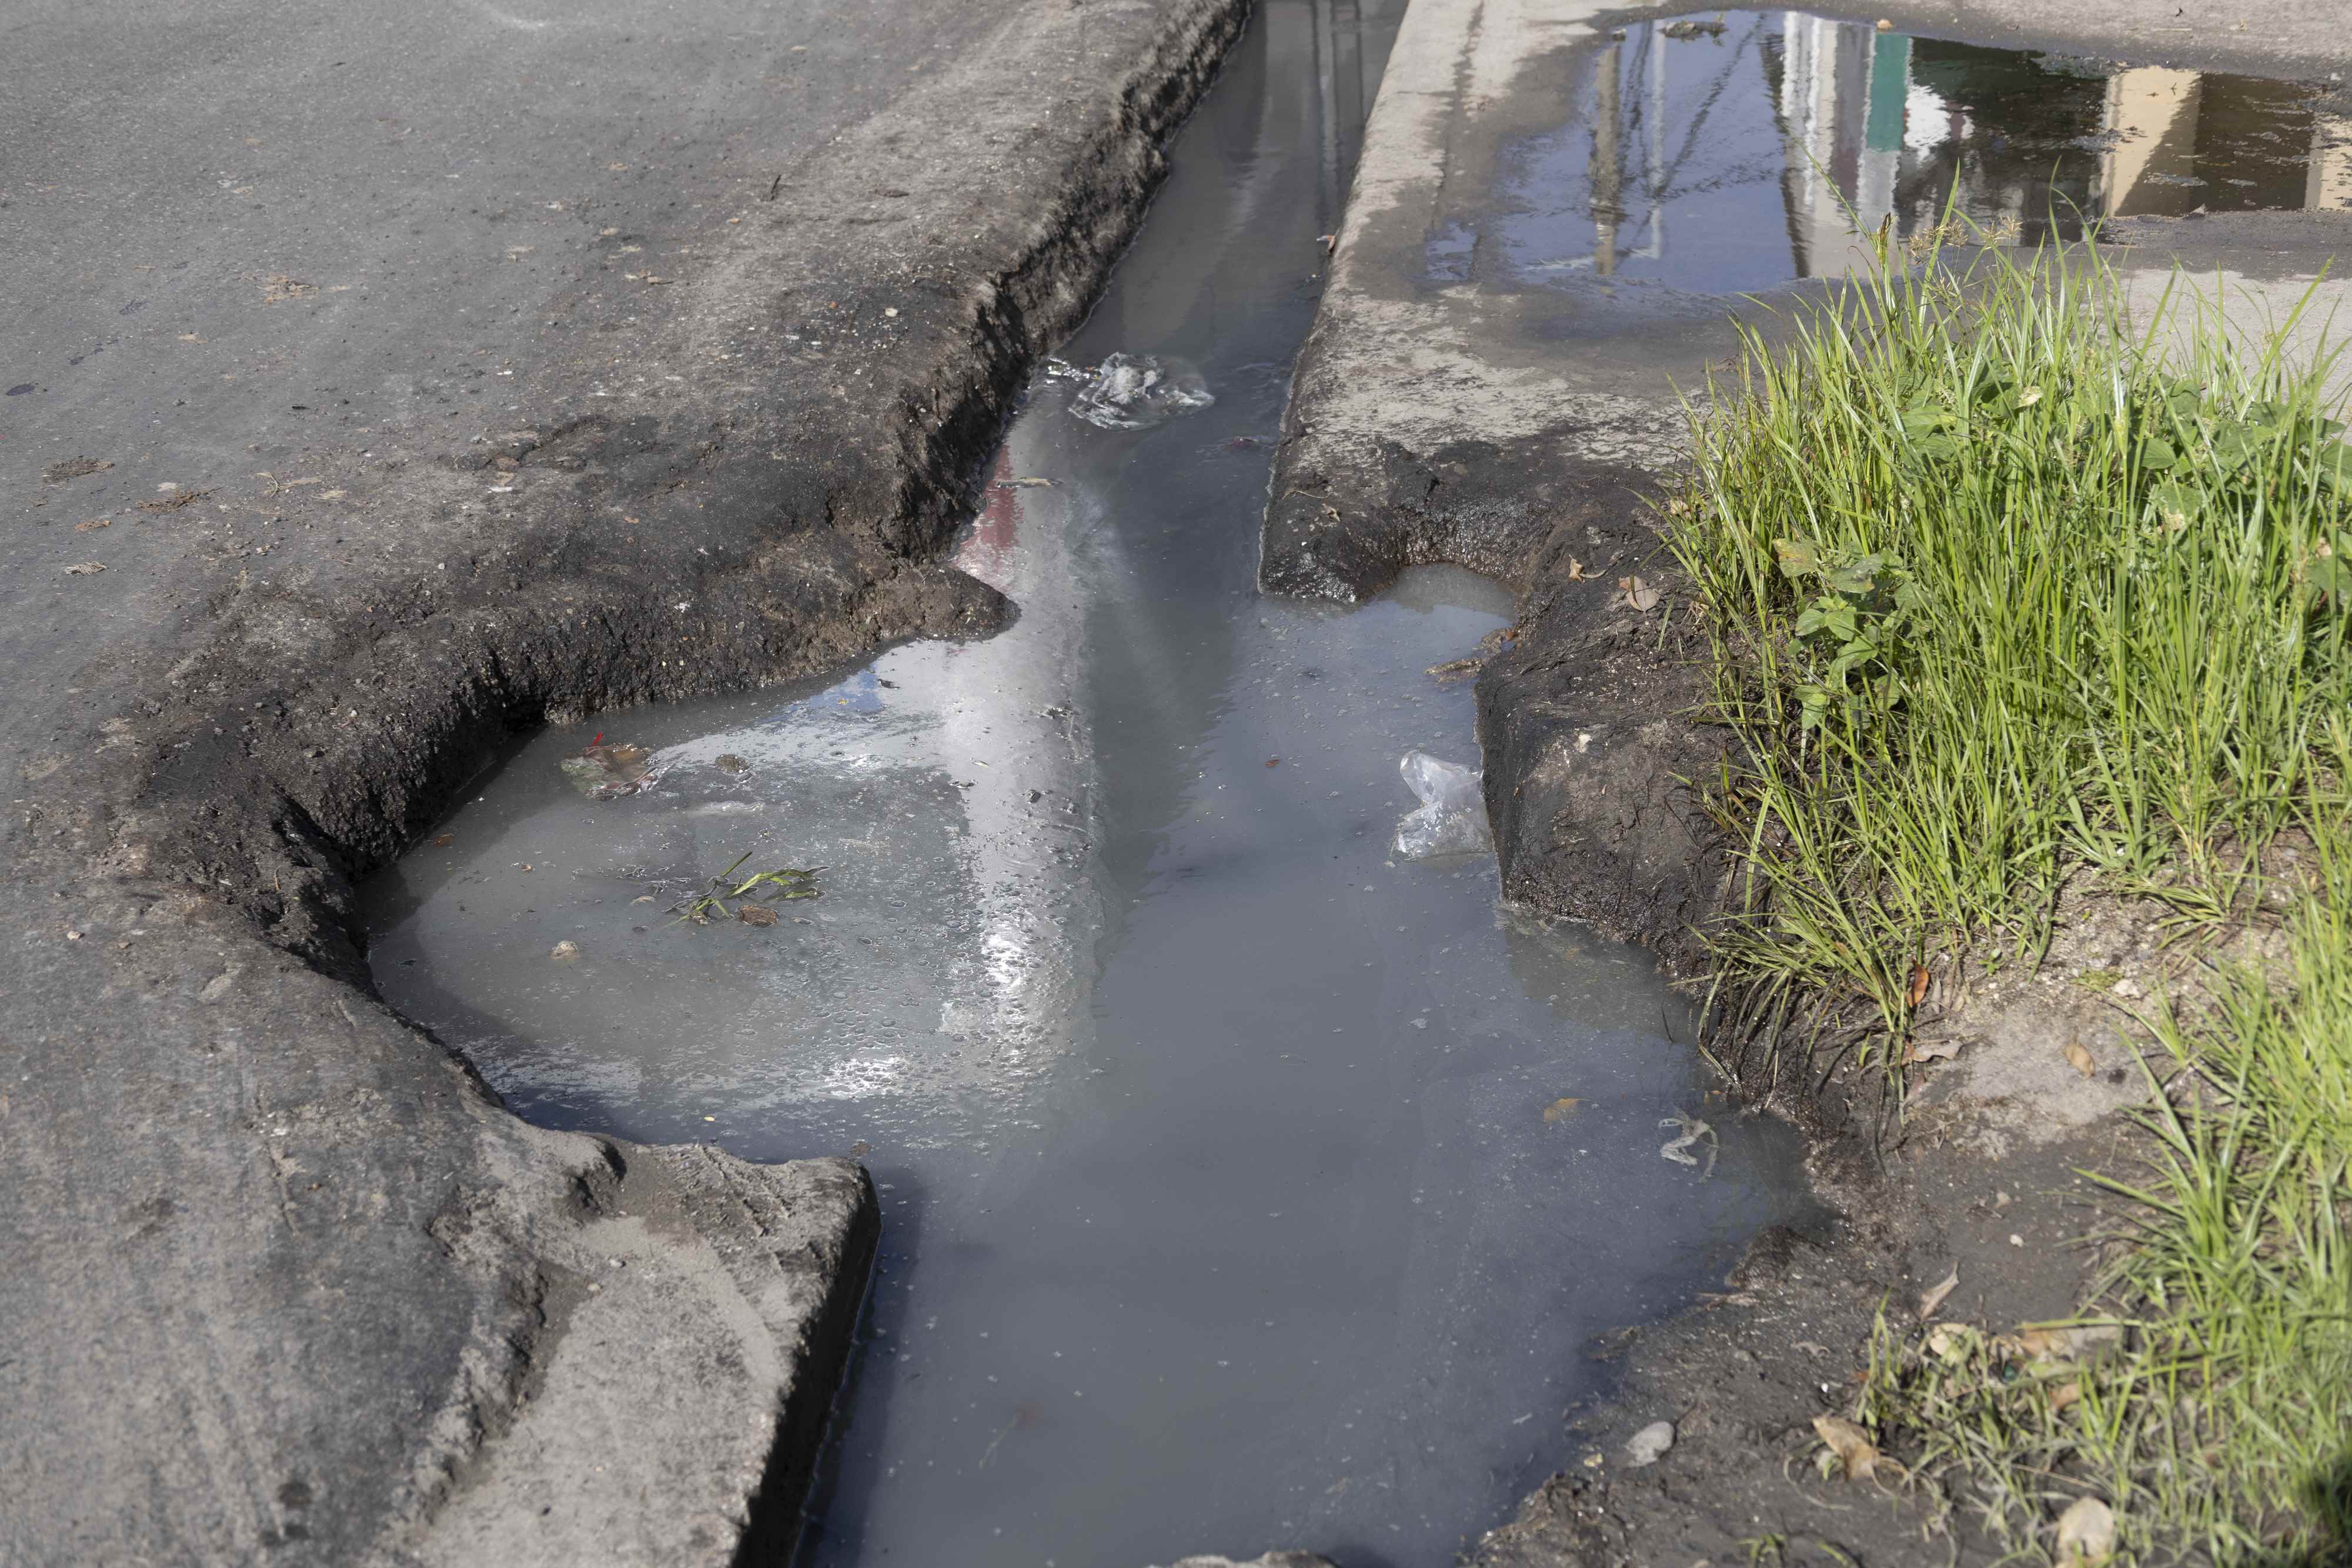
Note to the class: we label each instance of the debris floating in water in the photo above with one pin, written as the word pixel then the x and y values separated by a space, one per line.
pixel 1693 1130
pixel 1452 820
pixel 605 773
pixel 1130 392
pixel 759 888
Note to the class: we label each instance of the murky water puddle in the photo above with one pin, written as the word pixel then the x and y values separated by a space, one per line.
pixel 1244 1184
pixel 1728 151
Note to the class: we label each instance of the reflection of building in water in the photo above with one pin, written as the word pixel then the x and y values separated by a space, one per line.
pixel 1693 128
pixel 1884 126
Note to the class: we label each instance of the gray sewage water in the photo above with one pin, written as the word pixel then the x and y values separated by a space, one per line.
pixel 1244 1183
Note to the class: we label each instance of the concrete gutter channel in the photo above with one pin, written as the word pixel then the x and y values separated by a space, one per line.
pixel 284 1280
pixel 1475 420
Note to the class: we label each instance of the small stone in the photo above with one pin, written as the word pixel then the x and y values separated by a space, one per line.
pixel 2087 1533
pixel 1649 1445
pixel 565 952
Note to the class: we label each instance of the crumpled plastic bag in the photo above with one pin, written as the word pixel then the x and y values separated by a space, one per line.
pixel 1453 816
pixel 1129 392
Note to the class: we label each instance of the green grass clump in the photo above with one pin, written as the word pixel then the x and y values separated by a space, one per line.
pixel 2001 589
pixel 2005 595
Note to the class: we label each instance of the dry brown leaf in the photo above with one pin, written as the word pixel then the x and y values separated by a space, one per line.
pixel 1919 991
pixel 565 952
pixel 1636 594
pixel 1560 1109
pixel 73 468
pixel 755 915
pixel 1933 1296
pixel 1932 1050
pixel 1576 572
pixel 86 568
pixel 93 523
pixel 174 501
pixel 1951 1342
pixel 1851 1443
pixel 442 840
pixel 2064 1395
pixel 2065 1346
pixel 2082 1061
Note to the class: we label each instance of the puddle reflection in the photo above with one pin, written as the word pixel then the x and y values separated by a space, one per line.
pixel 1739 150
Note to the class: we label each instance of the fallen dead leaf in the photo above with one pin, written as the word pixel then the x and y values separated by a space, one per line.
pixel 1951 1342
pixel 2081 1059
pixel 2087 1533
pixel 1932 1050
pixel 2068 1345
pixel 565 952
pixel 755 915
pixel 2065 1395
pixel 1560 1109
pixel 174 501
pixel 279 286
pixel 442 840
pixel 93 523
pixel 1635 594
pixel 1933 1296
pixel 1851 1443
pixel 1919 991
pixel 1576 572
pixel 86 568
pixel 73 468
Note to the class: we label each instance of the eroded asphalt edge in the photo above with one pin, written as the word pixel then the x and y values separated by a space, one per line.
pixel 1432 423
pixel 284 1280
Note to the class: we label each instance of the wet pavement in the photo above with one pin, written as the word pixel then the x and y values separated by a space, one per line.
pixel 1559 214
pixel 1243 1183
